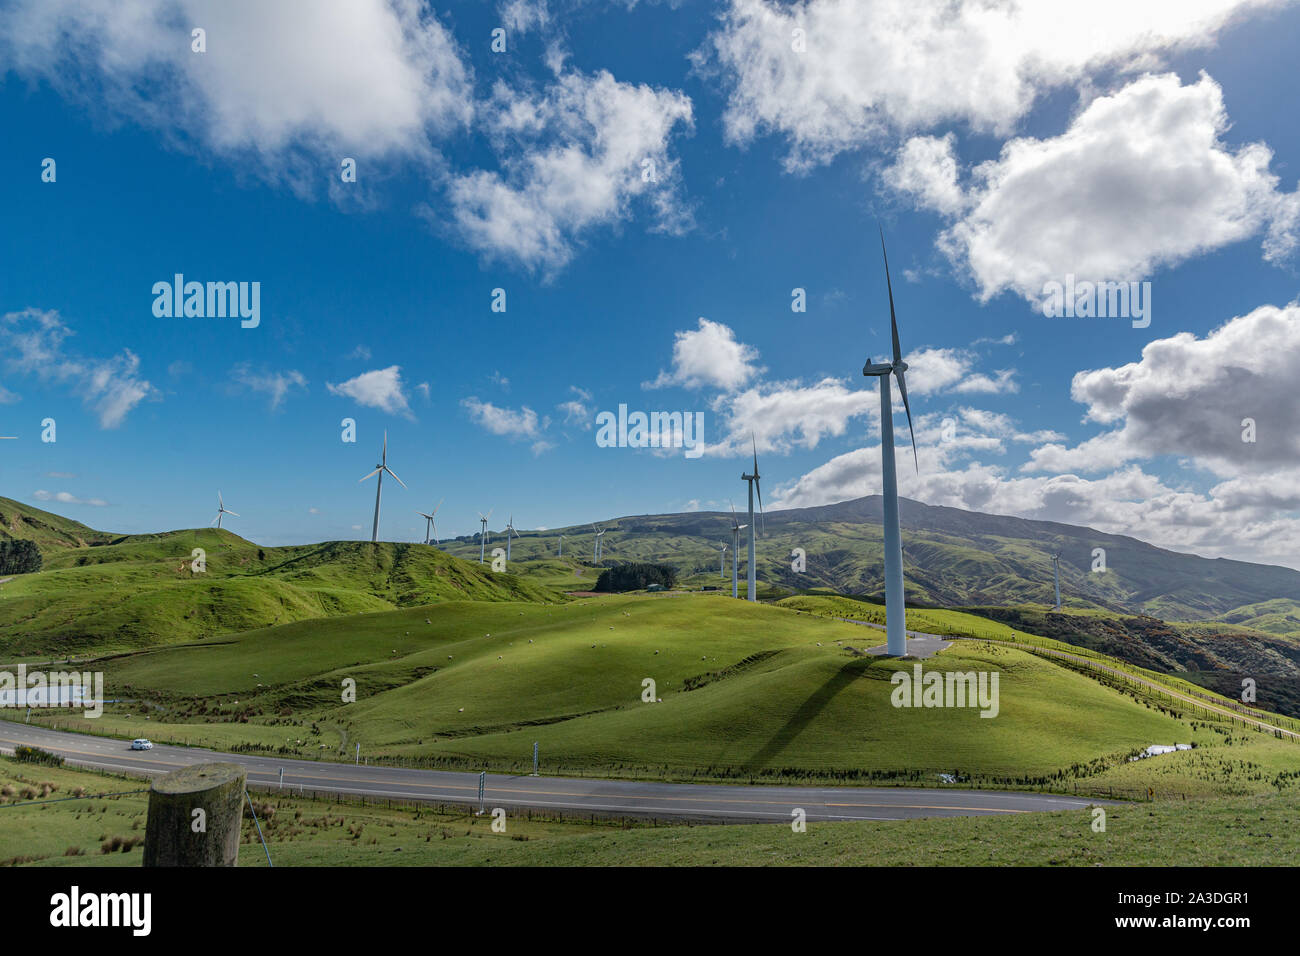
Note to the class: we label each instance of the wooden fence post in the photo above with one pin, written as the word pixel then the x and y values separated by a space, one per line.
pixel 195 815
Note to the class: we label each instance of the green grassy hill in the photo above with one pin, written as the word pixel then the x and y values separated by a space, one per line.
pixel 50 532
pixel 142 590
pixel 741 691
pixel 951 558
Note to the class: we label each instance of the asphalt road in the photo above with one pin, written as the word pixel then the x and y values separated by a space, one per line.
pixel 703 802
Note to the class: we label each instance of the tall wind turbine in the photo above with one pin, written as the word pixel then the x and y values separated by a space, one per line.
pixel 510 531
pixel 482 535
pixel 753 486
pixel 736 528
pixel 429 522
pixel 895 610
pixel 722 561
pixel 561 554
pixel 600 533
pixel 223 510
pixel 379 487
pixel 1056 573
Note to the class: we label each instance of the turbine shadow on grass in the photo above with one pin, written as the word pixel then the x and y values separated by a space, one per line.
pixel 808 711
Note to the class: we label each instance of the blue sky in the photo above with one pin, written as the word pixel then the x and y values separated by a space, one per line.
pixel 1159 151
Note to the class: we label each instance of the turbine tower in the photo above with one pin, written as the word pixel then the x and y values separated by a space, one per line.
pixel 722 561
pixel 1056 574
pixel 510 531
pixel 895 610
pixel 736 528
pixel 482 535
pixel 561 554
pixel 223 510
pixel 379 487
pixel 429 522
pixel 753 486
pixel 600 533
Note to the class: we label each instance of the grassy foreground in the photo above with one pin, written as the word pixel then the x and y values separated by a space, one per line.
pixel 1234 831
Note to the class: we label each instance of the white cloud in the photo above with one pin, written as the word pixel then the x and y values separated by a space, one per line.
pixel 275 384
pixel 782 416
pixel 32 342
pixel 512 423
pixel 932 370
pixel 709 356
pixel 380 388
pixel 64 498
pixel 369 78
pixel 876 68
pixel 520 16
pixel 1140 179
pixel 572 160
pixel 1188 396
pixel 926 169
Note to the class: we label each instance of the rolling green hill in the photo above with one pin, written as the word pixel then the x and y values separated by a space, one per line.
pixel 141 590
pixel 951 558
pixel 50 532
pixel 740 691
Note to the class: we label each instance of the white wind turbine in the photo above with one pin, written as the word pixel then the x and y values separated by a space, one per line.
pixel 482 534
pixel 429 522
pixel 736 528
pixel 753 486
pixel 561 554
pixel 379 487
pixel 1056 574
pixel 600 533
pixel 510 532
pixel 222 510
pixel 895 608
pixel 722 561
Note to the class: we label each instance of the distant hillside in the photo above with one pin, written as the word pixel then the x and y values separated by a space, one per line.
pixel 23 523
pixel 951 557
pixel 141 590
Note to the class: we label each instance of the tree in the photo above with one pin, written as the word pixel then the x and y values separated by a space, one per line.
pixel 635 575
pixel 19 557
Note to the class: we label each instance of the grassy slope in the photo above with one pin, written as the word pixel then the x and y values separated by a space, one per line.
pixel 50 531
pixel 773 703
pixel 1239 831
pixel 142 591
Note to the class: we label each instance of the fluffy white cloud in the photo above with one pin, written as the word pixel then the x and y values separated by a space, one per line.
pixel 380 388
pixel 365 78
pixel 275 384
pixel 513 423
pixel 781 416
pixel 574 157
pixel 1189 397
pixel 873 68
pixel 933 370
pixel 32 343
pixel 1140 179
pixel 709 357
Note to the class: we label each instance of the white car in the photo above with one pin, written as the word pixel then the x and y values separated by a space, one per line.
pixel 142 743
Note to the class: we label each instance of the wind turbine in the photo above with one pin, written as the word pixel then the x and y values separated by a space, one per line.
pixel 895 609
pixel 722 561
pixel 379 486
pixel 222 510
pixel 600 533
pixel 736 528
pixel 561 554
pixel 753 485
pixel 429 522
pixel 482 535
pixel 1056 574
pixel 510 530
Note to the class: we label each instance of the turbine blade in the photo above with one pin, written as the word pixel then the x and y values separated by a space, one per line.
pixel 893 322
pixel 902 390
pixel 395 478
pixel 235 513
pixel 371 475
pixel 440 501
pixel 758 488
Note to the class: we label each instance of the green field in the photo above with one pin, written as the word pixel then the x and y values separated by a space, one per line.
pixel 1235 831
pixel 743 692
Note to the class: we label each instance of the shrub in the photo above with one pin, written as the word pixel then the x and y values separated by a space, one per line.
pixel 37 755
